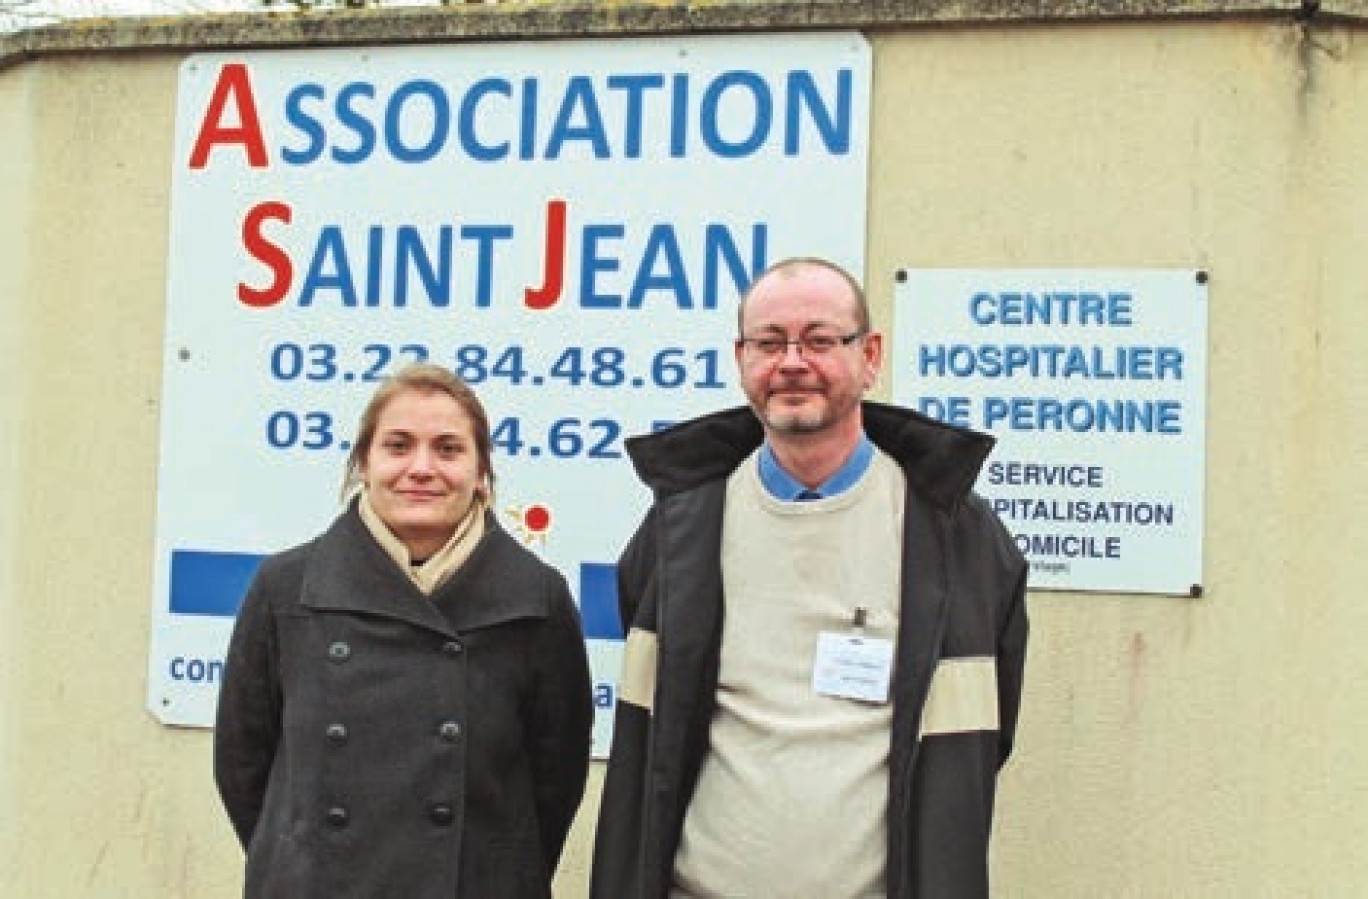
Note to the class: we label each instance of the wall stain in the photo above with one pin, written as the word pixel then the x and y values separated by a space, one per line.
pixel 1312 42
pixel 141 804
pixel 1136 655
pixel 95 865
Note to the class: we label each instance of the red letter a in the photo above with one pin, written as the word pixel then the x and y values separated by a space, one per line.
pixel 233 81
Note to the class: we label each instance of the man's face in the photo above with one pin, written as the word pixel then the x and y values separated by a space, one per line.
pixel 794 390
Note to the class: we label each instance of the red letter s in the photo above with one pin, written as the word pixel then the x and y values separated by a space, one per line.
pixel 272 256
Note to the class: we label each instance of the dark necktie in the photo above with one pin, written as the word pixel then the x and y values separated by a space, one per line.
pixel 805 495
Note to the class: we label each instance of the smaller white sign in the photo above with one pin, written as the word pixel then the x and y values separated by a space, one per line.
pixel 1093 381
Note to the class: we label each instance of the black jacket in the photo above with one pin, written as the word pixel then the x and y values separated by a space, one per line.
pixel 963 599
pixel 371 742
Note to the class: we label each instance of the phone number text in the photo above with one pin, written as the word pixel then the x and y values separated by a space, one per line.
pixel 564 438
pixel 605 367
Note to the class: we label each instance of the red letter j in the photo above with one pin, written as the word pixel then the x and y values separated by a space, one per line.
pixel 553 276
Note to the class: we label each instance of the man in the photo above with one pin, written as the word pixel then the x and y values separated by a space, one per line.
pixel 827 632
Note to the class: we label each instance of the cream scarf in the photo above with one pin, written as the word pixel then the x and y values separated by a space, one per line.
pixel 444 563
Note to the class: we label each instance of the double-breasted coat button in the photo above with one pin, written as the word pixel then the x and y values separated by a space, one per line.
pixel 449 731
pixel 339 651
pixel 338 817
pixel 337 733
pixel 452 648
pixel 442 814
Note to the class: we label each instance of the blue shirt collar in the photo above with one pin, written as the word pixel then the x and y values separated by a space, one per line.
pixel 782 485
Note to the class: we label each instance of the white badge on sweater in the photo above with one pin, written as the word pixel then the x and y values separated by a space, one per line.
pixel 851 666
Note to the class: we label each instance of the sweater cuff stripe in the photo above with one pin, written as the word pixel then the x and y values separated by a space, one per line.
pixel 963 697
pixel 639 669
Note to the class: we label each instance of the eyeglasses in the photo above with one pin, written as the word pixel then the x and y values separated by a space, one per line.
pixel 816 344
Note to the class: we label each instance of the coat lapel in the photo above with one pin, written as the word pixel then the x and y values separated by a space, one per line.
pixel 921 628
pixel 351 573
pixel 500 582
pixel 690 632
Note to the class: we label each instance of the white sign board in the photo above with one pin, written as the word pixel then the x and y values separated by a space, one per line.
pixel 1094 384
pixel 566 225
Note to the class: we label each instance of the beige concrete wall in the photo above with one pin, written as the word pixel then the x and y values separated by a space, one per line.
pixel 15 174
pixel 1168 747
pixel 105 801
pixel 1173 747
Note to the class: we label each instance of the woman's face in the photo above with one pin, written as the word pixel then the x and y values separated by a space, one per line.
pixel 422 469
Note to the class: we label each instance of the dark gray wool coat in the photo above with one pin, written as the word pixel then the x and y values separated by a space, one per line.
pixel 372 742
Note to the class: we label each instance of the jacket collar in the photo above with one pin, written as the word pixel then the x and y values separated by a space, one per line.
pixel 940 461
pixel 350 572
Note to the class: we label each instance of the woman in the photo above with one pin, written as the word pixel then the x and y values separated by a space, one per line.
pixel 406 704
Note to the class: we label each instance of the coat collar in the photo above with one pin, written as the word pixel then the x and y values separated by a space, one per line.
pixel 940 461
pixel 350 572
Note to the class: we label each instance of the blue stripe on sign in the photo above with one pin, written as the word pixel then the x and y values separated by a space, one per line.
pixel 599 601
pixel 214 583
pixel 209 583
